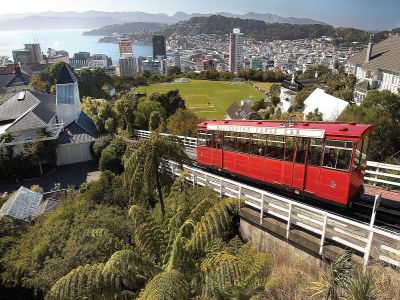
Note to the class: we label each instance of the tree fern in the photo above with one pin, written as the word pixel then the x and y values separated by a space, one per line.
pixel 148 236
pixel 124 273
pixel 235 276
pixel 170 285
pixel 214 223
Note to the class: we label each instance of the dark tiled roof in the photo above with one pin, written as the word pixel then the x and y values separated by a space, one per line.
pixel 30 120
pixel 12 79
pixel 299 84
pixel 35 110
pixel 87 124
pixel 21 205
pixel 66 76
pixel 13 108
pixel 77 133
pixel 47 106
pixel 244 112
pixel 385 55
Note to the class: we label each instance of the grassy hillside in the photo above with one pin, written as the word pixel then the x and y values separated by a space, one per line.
pixel 208 99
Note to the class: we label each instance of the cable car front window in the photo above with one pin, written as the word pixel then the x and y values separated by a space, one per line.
pixel 337 155
pixel 201 138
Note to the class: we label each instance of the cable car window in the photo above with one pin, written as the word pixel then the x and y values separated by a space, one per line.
pixel 229 141
pixel 242 142
pixel 258 144
pixel 209 138
pixel 337 155
pixel 275 146
pixel 201 138
pixel 289 148
pixel 357 155
pixel 315 152
pixel 301 150
pixel 365 150
pixel 217 140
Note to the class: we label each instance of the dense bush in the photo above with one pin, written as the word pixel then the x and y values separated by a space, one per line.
pixel 99 145
pixel 111 156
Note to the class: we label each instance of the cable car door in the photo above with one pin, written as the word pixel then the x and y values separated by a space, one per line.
pixel 299 165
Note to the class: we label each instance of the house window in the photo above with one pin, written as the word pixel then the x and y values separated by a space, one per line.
pixel 65 94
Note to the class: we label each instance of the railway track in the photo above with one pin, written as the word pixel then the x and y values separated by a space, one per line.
pixel 388 215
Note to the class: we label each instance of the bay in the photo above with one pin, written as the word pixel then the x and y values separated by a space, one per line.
pixel 70 40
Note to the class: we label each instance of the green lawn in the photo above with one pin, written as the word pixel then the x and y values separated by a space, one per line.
pixel 264 85
pixel 208 99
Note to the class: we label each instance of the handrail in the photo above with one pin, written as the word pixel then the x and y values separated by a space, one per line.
pixel 367 239
pixel 391 178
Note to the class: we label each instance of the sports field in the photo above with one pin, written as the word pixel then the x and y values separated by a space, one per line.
pixel 264 85
pixel 208 99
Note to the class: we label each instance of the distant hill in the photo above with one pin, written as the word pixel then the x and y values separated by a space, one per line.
pixel 261 30
pixel 125 28
pixel 96 19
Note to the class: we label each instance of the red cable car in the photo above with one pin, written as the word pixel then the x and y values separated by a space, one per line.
pixel 321 160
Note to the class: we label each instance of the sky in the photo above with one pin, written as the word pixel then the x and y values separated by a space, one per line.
pixel 365 14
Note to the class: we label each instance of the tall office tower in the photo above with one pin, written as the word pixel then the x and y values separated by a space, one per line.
pixel 127 65
pixel 236 51
pixel 125 46
pixel 159 46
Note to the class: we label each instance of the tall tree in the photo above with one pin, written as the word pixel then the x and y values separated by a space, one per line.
pixel 142 168
pixel 171 101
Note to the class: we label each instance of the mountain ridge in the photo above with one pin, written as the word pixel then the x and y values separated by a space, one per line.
pixel 93 19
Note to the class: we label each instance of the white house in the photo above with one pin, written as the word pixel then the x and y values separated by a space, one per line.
pixel 376 67
pixel 24 114
pixel 330 106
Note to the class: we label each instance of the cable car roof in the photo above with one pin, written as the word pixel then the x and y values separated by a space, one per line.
pixel 290 128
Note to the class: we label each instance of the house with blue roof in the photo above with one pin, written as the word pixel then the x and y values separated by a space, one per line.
pixel 24 114
pixel 26 205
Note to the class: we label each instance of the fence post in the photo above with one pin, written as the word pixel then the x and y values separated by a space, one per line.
pixel 262 209
pixel 321 246
pixel 194 177
pixel 220 188
pixel 376 173
pixel 371 232
pixel 240 192
pixel 288 223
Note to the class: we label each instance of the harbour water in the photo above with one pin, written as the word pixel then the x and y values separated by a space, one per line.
pixel 70 40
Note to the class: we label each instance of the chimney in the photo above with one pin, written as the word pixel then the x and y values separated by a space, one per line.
pixel 17 69
pixel 369 50
pixel 316 74
pixel 292 78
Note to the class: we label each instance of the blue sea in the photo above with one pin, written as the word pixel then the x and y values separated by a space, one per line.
pixel 70 40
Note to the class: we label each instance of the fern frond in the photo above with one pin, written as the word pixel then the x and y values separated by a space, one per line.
pixel 148 236
pixel 214 223
pixel 171 285
pixel 82 282
pixel 128 270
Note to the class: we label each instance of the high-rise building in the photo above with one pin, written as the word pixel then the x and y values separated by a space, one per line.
pixel 125 46
pixel 177 59
pixel 31 54
pixel 127 65
pixel 256 63
pixel 151 65
pixel 236 50
pixel 159 46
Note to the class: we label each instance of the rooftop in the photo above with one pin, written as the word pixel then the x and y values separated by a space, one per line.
pixel 385 55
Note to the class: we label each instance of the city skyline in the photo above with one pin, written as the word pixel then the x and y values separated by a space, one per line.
pixel 357 13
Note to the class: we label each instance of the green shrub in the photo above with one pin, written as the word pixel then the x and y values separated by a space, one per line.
pixel 111 156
